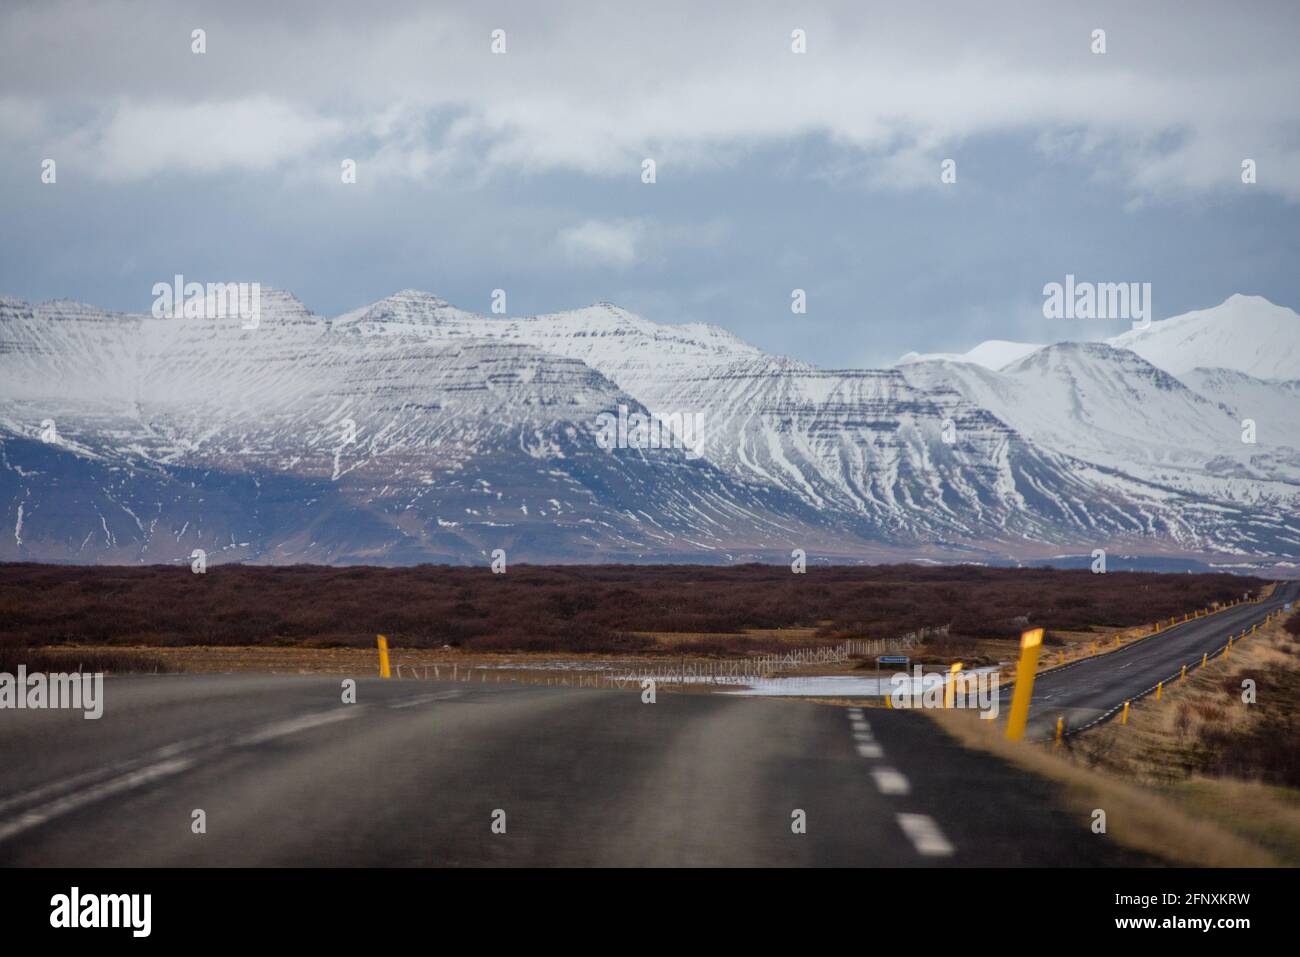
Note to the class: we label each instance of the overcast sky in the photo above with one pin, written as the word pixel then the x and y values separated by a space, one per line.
pixel 775 170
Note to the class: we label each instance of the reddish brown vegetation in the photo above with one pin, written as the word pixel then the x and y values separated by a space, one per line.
pixel 569 608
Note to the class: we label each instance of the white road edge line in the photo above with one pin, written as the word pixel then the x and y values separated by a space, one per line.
pixel 72 802
pixel 96 775
pixel 925 835
pixel 149 773
pixel 293 725
pixel 426 699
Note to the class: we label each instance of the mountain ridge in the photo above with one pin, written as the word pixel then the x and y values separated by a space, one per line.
pixel 469 432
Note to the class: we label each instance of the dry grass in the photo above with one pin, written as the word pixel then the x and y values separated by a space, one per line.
pixel 1199 719
pixel 1199 777
pixel 1264 814
pixel 1138 817
pixel 64 659
pixel 1202 745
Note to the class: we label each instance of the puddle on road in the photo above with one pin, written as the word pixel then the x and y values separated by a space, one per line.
pixel 831 686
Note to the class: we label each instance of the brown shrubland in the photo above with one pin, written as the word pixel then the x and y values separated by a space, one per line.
pixel 573 608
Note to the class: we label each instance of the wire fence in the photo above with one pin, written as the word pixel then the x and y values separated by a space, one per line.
pixel 691 670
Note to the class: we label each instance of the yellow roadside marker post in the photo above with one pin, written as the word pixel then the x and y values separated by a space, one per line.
pixel 1031 644
pixel 1123 718
pixel 1205 657
pixel 1060 729
pixel 383 658
pixel 1160 687
pixel 1117 641
pixel 1182 675
pixel 950 692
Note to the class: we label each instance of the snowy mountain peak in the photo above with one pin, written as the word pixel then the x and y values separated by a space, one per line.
pixel 1247 333
pixel 284 305
pixel 599 315
pixel 1072 364
pixel 991 354
pixel 613 309
pixel 1068 351
pixel 408 311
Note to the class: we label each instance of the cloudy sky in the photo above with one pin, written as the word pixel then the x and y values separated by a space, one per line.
pixel 775 170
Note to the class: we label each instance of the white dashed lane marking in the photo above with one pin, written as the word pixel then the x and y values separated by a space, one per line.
pixel 920 829
pixel 293 725
pixel 862 736
pixel 925 835
pixel 889 781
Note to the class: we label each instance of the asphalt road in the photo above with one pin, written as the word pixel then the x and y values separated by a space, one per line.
pixel 1094 689
pixel 412 773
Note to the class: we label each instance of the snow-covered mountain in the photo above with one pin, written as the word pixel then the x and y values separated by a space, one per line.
pixel 410 430
pixel 1246 334
pixel 864 445
pixel 991 354
pixel 1272 405
pixel 317 441
pixel 1111 408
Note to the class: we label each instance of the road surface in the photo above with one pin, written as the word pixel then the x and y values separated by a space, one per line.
pixel 415 772
pixel 1094 689
pixel 412 773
